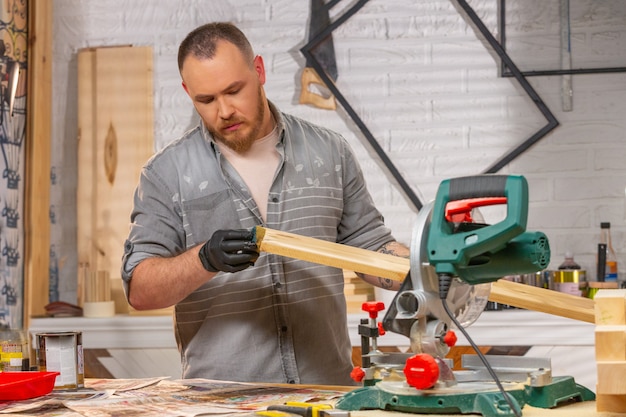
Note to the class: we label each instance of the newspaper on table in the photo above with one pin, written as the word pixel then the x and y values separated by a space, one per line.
pixel 160 397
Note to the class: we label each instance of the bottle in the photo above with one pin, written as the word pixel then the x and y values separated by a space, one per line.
pixel 569 262
pixel 610 273
pixel 13 351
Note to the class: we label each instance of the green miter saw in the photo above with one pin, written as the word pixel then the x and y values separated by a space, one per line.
pixel 454 258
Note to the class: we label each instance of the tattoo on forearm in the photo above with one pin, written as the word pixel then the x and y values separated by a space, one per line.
pixel 386 249
pixel 394 248
pixel 385 283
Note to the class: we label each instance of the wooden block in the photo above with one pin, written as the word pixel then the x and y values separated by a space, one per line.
pixel 610 307
pixel 350 276
pixel 610 343
pixel 611 403
pixel 611 377
pixel 354 307
pixel 350 289
pixel 360 298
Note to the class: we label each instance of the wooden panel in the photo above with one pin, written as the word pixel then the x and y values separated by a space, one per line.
pixel 38 139
pixel 115 118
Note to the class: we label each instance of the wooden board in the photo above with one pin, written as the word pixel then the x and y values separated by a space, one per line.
pixel 396 268
pixel 115 124
pixel 332 254
pixel 543 300
pixel 38 140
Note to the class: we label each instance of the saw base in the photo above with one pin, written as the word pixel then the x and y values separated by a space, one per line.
pixel 482 398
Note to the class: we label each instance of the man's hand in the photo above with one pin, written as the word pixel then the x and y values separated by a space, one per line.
pixel 229 251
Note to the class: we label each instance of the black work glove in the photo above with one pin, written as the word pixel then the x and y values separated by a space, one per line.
pixel 229 251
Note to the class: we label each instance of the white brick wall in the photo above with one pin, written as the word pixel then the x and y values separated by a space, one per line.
pixel 419 77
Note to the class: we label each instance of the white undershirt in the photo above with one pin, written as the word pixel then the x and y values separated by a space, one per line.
pixel 256 167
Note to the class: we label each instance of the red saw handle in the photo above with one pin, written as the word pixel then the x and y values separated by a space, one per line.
pixel 460 211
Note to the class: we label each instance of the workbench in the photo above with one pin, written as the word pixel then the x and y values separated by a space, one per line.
pixel 164 397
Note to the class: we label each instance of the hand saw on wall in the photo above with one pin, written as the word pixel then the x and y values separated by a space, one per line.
pixel 324 53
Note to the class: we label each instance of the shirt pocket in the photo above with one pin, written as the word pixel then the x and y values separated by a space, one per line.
pixel 203 216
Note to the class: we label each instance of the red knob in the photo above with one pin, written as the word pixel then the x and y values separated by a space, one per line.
pixel 381 329
pixel 373 307
pixel 357 374
pixel 421 371
pixel 450 338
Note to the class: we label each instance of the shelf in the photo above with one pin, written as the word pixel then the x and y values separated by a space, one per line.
pixel 493 328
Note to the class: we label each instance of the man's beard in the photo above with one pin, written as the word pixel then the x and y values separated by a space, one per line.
pixel 237 142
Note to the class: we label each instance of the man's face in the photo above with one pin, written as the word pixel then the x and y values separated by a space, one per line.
pixel 227 91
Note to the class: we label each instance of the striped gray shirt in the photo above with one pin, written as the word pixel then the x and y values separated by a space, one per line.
pixel 282 320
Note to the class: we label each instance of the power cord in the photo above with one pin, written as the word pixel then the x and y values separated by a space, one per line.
pixel 445 280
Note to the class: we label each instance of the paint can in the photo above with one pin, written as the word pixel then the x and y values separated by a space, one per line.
pixel 62 352
pixel 570 281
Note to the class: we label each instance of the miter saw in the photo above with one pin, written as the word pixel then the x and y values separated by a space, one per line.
pixel 454 257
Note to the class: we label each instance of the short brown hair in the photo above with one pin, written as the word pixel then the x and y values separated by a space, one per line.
pixel 202 41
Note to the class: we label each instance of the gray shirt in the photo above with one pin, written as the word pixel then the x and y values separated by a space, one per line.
pixel 282 320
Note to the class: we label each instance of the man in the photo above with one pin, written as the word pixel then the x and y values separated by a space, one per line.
pixel 270 319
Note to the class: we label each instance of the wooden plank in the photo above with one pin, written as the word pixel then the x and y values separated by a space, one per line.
pixel 543 300
pixel 396 268
pixel 86 165
pixel 38 140
pixel 332 254
pixel 115 116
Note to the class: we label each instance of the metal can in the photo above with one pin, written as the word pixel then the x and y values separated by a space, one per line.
pixel 62 352
pixel 570 281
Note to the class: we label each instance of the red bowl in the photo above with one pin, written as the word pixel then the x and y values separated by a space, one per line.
pixel 24 385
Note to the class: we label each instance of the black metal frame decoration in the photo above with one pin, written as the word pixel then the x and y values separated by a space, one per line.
pixel 316 39
pixel 308 51
pixel 552 122
pixel 571 71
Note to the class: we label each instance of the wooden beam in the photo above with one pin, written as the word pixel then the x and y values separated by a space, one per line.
pixel 396 268
pixel 38 139
pixel 543 300
pixel 332 254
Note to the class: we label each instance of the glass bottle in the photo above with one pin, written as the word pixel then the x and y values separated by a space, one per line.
pixel 610 274
pixel 13 351
pixel 568 262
